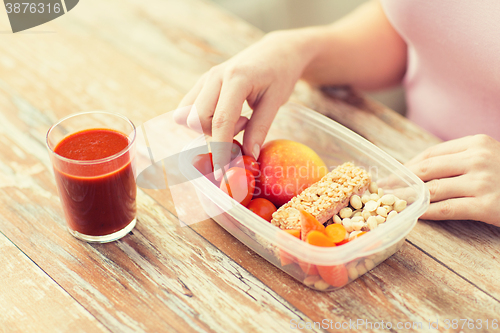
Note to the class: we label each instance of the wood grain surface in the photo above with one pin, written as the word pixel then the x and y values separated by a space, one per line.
pixel 31 301
pixel 139 58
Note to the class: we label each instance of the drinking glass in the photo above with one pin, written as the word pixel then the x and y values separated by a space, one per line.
pixel 98 196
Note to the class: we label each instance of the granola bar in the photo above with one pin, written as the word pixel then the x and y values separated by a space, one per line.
pixel 324 198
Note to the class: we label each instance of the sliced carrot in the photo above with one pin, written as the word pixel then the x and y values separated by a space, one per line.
pixel 309 269
pixel 308 223
pixel 336 232
pixel 286 258
pixel 293 232
pixel 347 240
pixel 334 275
pixel 318 238
pixel 342 242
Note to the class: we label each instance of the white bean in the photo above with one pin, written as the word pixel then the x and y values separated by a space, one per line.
pixel 365 198
pixel 355 202
pixel 382 211
pixel 321 285
pixel 371 206
pixel 352 264
pixel 311 280
pixel 366 214
pixel 357 219
pixel 361 269
pixel 373 188
pixel 399 205
pixel 347 224
pixel 358 225
pixel 380 192
pixel 372 223
pixel 391 215
pixel 380 219
pixel 388 199
pixel 353 273
pixel 369 264
pixel 345 212
pixel 388 208
pixel 337 219
pixel 374 197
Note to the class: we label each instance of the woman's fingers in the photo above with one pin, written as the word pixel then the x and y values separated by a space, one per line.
pixel 437 167
pixel 259 124
pixel 461 176
pixel 233 94
pixel 454 209
pixel 448 188
pixel 445 148
pixel 183 110
pixel 241 124
pixel 200 118
pixel 181 114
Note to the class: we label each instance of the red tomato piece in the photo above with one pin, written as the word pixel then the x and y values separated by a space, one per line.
pixel 249 163
pixel 239 184
pixel 236 149
pixel 262 207
pixel 204 164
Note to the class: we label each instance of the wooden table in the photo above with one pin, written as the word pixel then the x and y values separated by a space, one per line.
pixel 139 58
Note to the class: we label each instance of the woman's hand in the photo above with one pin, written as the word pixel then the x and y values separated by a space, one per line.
pixel 264 75
pixel 362 50
pixel 463 179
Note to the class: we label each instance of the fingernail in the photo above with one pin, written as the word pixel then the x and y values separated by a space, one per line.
pixel 256 151
pixel 217 172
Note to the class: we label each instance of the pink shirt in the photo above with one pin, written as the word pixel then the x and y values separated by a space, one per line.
pixel 453 76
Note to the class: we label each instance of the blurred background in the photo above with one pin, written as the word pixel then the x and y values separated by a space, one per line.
pixel 270 15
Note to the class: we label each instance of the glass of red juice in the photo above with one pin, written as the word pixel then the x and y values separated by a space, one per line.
pixel 93 154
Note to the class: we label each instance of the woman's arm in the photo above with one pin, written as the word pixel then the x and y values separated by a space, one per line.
pixel 361 49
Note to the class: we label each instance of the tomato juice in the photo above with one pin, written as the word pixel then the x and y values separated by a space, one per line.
pixel 96 181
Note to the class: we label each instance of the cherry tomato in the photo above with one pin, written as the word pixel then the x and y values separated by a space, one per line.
pixel 239 184
pixel 204 164
pixel 236 149
pixel 262 207
pixel 249 163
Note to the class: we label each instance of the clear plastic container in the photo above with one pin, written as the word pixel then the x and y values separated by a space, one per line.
pixel 335 144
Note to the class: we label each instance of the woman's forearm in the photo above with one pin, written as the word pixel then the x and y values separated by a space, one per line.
pixel 362 49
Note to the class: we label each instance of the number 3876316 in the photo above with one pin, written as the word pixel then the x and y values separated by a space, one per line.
pixel 33 8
